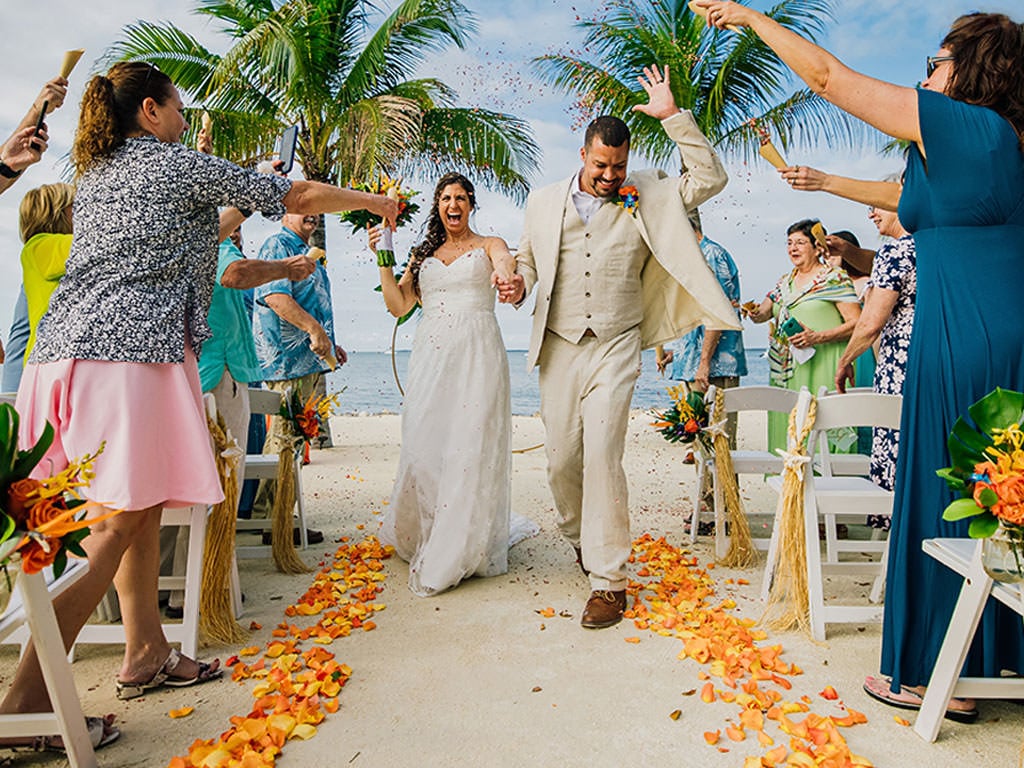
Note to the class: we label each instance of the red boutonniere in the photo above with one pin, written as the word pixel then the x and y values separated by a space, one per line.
pixel 628 199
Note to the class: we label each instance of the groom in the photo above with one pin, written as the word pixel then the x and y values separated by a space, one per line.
pixel 618 270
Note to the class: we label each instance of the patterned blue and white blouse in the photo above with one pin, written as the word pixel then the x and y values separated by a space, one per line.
pixel 894 269
pixel 144 255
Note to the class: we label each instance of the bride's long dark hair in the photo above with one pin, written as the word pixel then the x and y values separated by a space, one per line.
pixel 436 234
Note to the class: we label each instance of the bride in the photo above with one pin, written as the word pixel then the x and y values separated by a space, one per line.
pixel 449 513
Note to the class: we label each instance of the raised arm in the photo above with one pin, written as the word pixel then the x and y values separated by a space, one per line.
pixel 703 174
pixel 881 194
pixel 890 108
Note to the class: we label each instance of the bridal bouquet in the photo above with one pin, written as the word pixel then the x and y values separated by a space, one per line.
pixel 41 521
pixel 686 420
pixel 988 473
pixel 362 219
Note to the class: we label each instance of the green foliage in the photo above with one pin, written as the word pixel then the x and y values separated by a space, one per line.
pixel 343 73
pixel 725 79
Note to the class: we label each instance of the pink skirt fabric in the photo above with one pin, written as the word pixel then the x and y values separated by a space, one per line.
pixel 150 416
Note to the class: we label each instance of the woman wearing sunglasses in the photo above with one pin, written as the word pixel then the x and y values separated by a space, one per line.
pixel 968 115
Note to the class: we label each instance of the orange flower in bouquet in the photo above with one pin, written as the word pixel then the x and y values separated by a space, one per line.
pixel 41 520
pixel 306 417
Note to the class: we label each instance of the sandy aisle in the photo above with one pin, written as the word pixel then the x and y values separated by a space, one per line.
pixel 449 681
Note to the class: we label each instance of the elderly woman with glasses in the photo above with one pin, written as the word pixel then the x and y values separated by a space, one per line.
pixel 966 340
pixel 115 357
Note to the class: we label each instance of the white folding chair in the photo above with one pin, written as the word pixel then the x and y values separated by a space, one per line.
pixel 263 466
pixel 744 462
pixel 31 610
pixel 964 557
pixel 828 499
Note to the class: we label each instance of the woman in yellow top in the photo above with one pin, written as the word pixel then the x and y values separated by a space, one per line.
pixel 44 220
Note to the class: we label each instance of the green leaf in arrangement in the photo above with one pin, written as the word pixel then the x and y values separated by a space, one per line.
pixel 988 497
pixel 983 526
pixel 8 441
pixel 953 480
pixel 972 439
pixel 26 460
pixel 997 410
pixel 961 509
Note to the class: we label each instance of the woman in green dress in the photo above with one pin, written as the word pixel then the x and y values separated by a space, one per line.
pixel 812 310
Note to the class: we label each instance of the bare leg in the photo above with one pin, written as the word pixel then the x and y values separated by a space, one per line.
pixel 105 545
pixel 146 648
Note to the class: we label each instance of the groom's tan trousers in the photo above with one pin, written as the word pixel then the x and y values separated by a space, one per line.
pixel 585 393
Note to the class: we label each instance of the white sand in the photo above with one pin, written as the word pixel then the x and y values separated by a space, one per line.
pixel 449 681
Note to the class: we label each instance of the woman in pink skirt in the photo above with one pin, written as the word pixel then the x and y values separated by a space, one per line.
pixel 115 356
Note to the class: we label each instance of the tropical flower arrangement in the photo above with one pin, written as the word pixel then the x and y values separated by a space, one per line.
pixel 687 419
pixel 988 473
pixel 41 521
pixel 628 199
pixel 305 417
pixel 362 219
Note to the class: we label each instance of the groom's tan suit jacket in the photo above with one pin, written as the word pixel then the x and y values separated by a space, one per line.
pixel 677 291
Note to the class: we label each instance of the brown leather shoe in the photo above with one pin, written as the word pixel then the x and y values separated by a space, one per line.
pixel 579 560
pixel 604 609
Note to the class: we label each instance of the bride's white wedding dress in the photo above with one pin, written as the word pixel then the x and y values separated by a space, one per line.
pixel 449 511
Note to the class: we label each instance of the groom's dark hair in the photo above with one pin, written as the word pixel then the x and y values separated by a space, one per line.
pixel 610 130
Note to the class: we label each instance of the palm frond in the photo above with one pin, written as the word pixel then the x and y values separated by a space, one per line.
pixel 494 149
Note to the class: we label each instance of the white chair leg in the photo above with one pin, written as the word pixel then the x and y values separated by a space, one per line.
pixel 721 537
pixel 962 625
pixel 56 670
pixel 815 581
pixel 879 586
pixel 193 580
pixel 695 515
pixel 299 504
pixel 831 539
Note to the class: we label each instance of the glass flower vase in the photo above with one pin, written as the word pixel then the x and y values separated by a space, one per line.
pixel 1002 554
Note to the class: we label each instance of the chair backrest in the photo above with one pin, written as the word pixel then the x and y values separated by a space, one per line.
pixel 853 409
pixel 264 401
pixel 759 398
pixel 8 397
pixel 858 409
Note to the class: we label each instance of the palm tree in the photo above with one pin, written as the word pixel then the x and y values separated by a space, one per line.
pixel 323 65
pixel 726 79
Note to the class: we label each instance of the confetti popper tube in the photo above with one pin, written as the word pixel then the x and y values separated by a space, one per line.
pixel 768 151
pixel 70 59
pixel 207 122
pixel 818 232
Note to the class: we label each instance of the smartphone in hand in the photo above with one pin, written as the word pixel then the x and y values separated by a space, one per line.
pixel 289 139
pixel 791 327
pixel 39 124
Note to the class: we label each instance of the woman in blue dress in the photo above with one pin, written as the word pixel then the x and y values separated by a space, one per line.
pixel 968 227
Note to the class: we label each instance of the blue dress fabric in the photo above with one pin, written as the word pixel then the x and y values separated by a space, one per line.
pixel 964 205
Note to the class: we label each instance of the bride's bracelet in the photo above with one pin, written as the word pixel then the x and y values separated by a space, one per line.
pixel 385 259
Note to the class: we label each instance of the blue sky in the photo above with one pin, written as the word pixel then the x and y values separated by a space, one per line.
pixel 882 38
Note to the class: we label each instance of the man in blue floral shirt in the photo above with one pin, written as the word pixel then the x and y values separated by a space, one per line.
pixel 293 326
pixel 702 358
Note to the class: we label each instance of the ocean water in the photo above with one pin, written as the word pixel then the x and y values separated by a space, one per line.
pixel 369 382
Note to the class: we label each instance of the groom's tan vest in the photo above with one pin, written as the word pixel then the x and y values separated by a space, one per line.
pixel 597 282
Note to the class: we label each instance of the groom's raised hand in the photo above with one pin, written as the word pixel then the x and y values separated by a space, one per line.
pixel 661 103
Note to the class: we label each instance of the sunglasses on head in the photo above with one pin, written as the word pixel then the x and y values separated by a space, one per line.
pixel 932 63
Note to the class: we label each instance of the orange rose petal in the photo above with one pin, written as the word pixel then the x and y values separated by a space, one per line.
pixel 183 712
pixel 900 720
pixel 712 737
pixel 829 693
pixel 632 639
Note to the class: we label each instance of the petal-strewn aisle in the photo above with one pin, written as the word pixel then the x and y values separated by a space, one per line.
pixel 475 678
